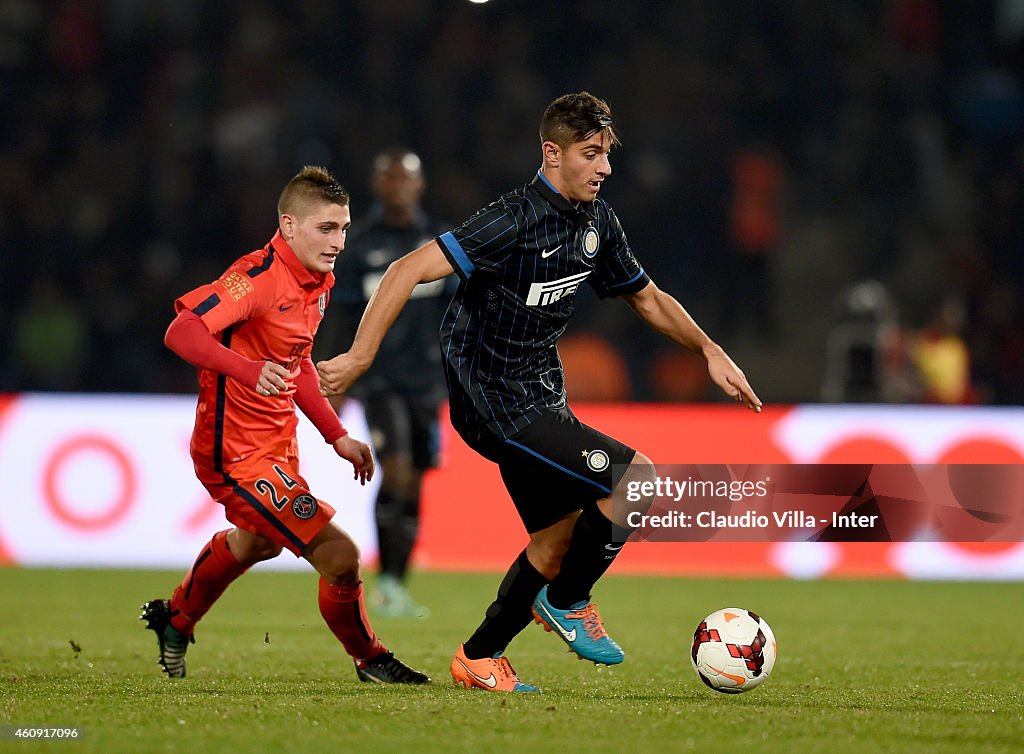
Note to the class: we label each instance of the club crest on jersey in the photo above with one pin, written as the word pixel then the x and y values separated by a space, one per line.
pixel 590 242
pixel 322 303
pixel 597 460
pixel 543 294
pixel 304 506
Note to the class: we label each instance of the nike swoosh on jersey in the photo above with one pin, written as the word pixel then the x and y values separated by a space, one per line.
pixel 613 548
pixel 549 252
pixel 490 681
pixel 284 308
pixel 567 635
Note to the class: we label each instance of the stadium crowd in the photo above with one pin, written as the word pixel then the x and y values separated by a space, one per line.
pixel 776 156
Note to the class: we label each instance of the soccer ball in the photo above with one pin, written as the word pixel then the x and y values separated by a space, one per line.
pixel 733 650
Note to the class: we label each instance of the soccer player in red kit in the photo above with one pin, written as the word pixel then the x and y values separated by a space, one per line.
pixel 250 333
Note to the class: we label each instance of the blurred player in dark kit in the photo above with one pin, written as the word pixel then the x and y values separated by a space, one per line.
pixel 401 393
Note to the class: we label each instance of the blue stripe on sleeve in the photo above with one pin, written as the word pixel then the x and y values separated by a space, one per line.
pixel 631 280
pixel 211 301
pixel 456 253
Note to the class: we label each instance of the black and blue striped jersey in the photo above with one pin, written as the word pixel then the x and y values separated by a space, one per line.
pixel 520 262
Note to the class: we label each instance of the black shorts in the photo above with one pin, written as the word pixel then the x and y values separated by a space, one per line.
pixel 402 426
pixel 556 466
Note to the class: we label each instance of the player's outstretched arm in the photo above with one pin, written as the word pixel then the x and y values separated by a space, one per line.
pixel 358 454
pixel 663 313
pixel 424 265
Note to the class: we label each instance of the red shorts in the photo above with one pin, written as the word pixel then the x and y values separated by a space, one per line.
pixel 265 494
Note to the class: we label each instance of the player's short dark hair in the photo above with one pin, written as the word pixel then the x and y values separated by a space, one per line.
pixel 575 117
pixel 312 183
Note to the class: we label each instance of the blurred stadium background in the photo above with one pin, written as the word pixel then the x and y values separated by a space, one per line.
pixel 834 189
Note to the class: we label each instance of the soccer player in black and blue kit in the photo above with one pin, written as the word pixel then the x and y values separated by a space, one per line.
pixel 520 262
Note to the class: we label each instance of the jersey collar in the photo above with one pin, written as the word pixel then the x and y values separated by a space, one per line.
pixel 549 192
pixel 546 190
pixel 305 278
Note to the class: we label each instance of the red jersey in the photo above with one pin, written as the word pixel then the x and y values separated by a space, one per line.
pixel 267 307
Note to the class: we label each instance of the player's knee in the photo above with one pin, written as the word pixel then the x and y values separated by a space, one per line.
pixel 546 555
pixel 342 568
pixel 399 476
pixel 344 573
pixel 254 556
pixel 635 491
pixel 267 551
pixel 250 549
pixel 336 558
pixel 549 562
pixel 642 462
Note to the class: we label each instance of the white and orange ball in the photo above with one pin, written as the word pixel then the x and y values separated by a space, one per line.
pixel 733 650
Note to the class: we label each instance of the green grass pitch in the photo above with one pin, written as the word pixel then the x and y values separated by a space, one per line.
pixel 863 666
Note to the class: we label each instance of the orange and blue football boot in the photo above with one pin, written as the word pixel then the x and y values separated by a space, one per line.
pixel 580 627
pixel 489 674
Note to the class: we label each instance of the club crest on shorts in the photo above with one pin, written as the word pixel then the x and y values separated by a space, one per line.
pixel 304 506
pixel 590 242
pixel 597 460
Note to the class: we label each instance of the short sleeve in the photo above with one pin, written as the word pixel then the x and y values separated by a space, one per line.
pixel 617 271
pixel 235 296
pixel 484 242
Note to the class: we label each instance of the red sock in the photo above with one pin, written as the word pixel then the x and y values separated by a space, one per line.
pixel 210 575
pixel 345 614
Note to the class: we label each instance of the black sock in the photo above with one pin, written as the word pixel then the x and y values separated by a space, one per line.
pixel 397 523
pixel 510 613
pixel 595 543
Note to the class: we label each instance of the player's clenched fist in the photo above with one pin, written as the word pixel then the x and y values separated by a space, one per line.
pixel 338 374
